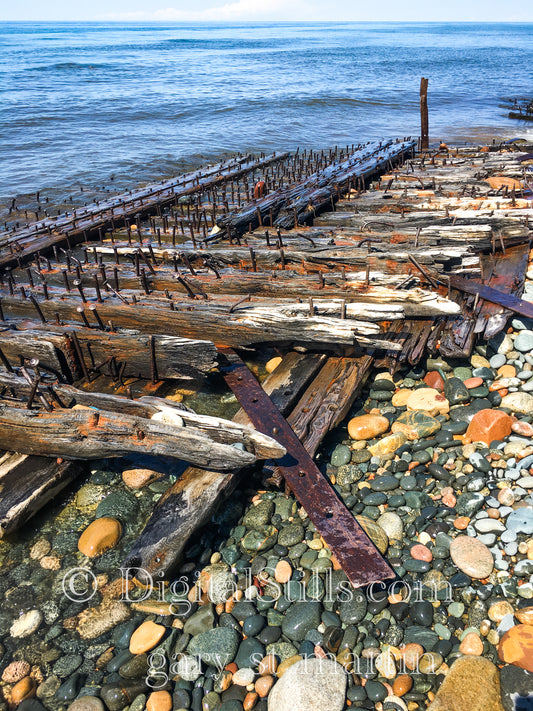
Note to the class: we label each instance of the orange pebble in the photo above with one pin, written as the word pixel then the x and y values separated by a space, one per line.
pixel 159 701
pixel 461 523
pixel 473 383
pixel 23 689
pixel 263 685
pixel 232 667
pixel 402 684
pixel 449 500
pixel 250 700
pixel 506 371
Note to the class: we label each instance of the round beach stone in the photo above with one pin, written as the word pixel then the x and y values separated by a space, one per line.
pixel 518 402
pixel 367 426
pixel 100 536
pixel 318 684
pixel 429 400
pixel 159 701
pixel 23 689
pixel 146 637
pixel 416 424
pixel 472 557
pixel 217 646
pixel 26 624
pixel 388 445
pixel 392 524
pixel 524 341
pixel 15 672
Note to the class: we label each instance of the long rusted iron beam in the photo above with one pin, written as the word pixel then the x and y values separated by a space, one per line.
pixel 356 553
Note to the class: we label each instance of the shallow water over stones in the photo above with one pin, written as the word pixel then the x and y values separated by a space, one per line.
pixel 260 591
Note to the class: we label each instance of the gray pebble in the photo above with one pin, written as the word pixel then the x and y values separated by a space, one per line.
pixel 497 360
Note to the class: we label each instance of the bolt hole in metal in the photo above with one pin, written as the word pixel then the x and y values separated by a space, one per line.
pixel 329 514
pixel 301 472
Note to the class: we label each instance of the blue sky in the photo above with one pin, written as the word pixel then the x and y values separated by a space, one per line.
pixel 257 10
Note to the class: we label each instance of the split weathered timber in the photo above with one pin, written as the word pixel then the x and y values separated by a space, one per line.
pixel 300 203
pixel 203 319
pixel 158 357
pixel 150 407
pixel 27 483
pixel 91 434
pixel 191 502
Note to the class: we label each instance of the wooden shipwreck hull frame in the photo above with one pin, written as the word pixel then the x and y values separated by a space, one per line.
pixel 369 256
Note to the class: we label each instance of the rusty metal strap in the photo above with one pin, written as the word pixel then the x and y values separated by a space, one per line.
pixel 358 556
pixel 508 301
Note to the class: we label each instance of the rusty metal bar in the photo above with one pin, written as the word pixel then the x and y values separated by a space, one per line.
pixel 508 301
pixel 358 556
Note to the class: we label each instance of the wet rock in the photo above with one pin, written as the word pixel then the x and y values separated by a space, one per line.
pixel 472 684
pixel 119 504
pixel 367 427
pixel 375 533
pixel 515 682
pixel 146 637
pixel 518 402
pixel 353 610
pixel 217 646
pixel 26 624
pixel 300 618
pixel 101 535
pixel 392 524
pixel 258 516
pixel 416 424
pixel 318 684
pixel 15 672
pixel 429 400
pixel 456 391
pixel 139 478
pixel 388 445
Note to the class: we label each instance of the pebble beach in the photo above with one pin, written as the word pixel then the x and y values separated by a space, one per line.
pixel 435 462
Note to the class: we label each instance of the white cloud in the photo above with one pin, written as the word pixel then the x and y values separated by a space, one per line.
pixel 240 10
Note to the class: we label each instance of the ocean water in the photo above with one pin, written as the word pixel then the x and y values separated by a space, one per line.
pixel 116 105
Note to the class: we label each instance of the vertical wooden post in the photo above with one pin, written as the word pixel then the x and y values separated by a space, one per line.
pixel 424 125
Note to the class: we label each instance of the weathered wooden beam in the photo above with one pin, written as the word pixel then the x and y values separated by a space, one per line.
pixel 27 483
pixel 144 356
pixel 90 434
pixel 203 319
